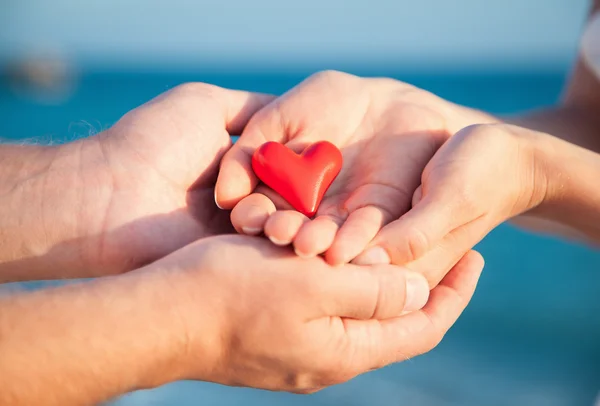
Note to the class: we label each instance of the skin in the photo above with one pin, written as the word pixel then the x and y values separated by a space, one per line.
pixel 399 135
pixel 117 201
pixel 205 312
pixel 548 165
pixel 187 338
pixel 386 131
pixel 457 205
pixel 102 206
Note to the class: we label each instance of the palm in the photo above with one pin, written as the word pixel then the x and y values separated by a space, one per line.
pixel 163 159
pixel 385 140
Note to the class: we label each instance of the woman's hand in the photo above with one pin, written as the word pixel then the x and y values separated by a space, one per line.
pixel 387 132
pixel 482 176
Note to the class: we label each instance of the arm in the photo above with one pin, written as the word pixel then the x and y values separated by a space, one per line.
pixel 86 343
pixel 572 198
pixel 233 310
pixel 576 120
pixel 125 197
pixel 45 193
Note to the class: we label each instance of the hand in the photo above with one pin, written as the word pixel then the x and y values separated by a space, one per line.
pixel 257 315
pixel 387 132
pixel 164 160
pixel 135 192
pixel 482 176
pixel 229 309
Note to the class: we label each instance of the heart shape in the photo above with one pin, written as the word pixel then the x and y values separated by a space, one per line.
pixel 301 180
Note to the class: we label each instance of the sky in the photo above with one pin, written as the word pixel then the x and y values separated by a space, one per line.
pixel 425 33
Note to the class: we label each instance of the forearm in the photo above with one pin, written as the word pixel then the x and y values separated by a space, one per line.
pixel 577 125
pixel 576 120
pixel 85 343
pixel 577 117
pixel 44 193
pixel 573 192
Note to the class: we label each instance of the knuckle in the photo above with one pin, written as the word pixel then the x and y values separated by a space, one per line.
pixel 196 89
pixel 306 391
pixel 379 297
pixel 418 243
pixel 298 382
pixel 331 75
pixel 473 130
pixel 495 134
pixel 415 245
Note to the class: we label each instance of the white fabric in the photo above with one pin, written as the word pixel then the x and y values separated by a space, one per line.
pixel 590 45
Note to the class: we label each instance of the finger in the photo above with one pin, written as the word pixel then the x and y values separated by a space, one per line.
pixel 283 225
pixel 236 177
pixel 358 230
pixel 234 107
pixel 250 215
pixel 436 263
pixel 378 292
pixel 445 305
pixel 398 339
pixel 277 200
pixel 240 107
pixel 417 196
pixel 316 236
pixel 415 233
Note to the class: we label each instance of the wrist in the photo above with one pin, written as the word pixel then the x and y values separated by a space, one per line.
pixel 195 304
pixel 96 340
pixel 48 193
pixel 158 331
pixel 572 197
pixel 535 168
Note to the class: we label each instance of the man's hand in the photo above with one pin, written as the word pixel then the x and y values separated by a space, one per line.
pixel 126 197
pixel 235 310
pixel 281 322
pixel 257 315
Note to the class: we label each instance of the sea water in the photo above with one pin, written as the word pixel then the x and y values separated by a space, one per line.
pixel 531 335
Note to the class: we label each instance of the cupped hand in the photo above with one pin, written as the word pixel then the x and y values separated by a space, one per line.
pixel 257 315
pixel 386 130
pixel 155 192
pixel 482 176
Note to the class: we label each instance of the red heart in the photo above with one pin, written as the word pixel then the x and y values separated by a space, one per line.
pixel 301 180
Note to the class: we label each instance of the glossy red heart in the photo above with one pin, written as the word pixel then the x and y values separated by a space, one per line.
pixel 301 180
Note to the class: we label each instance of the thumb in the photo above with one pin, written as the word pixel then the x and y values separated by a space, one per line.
pixel 236 178
pixel 416 232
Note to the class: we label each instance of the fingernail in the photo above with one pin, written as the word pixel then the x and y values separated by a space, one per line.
pixel 302 254
pixel 216 202
pixel 280 243
pixel 417 292
pixel 373 256
pixel 251 230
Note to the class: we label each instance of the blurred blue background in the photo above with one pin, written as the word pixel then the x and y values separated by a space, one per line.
pixel 531 334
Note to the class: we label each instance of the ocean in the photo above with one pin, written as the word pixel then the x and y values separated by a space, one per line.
pixel 531 335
